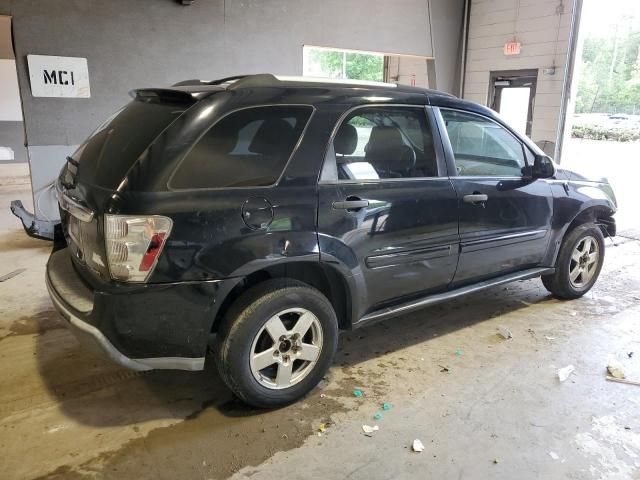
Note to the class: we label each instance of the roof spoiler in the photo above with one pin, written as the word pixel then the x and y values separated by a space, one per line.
pixel 168 95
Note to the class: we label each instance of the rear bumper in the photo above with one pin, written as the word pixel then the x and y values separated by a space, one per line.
pixel 142 328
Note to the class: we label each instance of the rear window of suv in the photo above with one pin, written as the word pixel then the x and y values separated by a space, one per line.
pixel 246 148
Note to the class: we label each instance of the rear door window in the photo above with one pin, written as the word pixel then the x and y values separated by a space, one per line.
pixel 378 143
pixel 247 148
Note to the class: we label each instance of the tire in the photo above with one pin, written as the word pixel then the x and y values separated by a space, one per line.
pixel 248 328
pixel 560 284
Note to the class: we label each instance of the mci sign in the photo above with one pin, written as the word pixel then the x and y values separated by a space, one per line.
pixel 52 76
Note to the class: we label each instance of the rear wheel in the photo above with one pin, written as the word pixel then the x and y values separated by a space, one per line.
pixel 276 342
pixel 579 263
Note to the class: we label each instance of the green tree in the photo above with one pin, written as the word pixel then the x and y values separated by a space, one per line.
pixel 355 66
pixel 610 77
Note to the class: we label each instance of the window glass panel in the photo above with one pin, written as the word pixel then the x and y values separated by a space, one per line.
pixel 482 147
pixel 385 142
pixel 248 148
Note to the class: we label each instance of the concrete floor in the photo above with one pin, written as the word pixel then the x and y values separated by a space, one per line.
pixel 499 412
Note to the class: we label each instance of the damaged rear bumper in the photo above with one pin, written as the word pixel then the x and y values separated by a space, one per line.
pixel 113 324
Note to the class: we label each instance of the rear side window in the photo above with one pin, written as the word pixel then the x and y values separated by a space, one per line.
pixel 247 148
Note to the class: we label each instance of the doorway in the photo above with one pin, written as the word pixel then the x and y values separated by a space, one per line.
pixel 513 94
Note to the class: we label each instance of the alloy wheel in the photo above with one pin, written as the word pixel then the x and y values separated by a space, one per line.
pixel 584 262
pixel 286 348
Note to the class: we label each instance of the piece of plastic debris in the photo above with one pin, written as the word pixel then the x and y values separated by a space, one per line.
pixel 505 333
pixel 623 380
pixel 549 338
pixel 357 393
pixel 443 369
pixel 322 427
pixel 573 314
pixel 554 455
pixel 615 370
pixel 563 373
pixel 630 354
pixel 386 406
pixel 369 429
pixel 377 416
pixel 495 461
pixel 458 352
pixel 322 395
pixel 417 446
pixel 10 275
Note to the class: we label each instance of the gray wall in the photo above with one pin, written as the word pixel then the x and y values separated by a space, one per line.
pixel 157 42
pixel 446 22
pixel 130 44
pixel 12 136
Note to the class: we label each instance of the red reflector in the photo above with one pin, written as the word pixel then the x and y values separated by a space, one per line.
pixel 152 252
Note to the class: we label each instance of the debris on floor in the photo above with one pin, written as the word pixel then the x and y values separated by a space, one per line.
pixel 386 406
pixel 322 427
pixel 369 430
pixel 629 354
pixel 357 393
pixel 443 369
pixel 563 373
pixel 574 313
pixel 10 275
pixel 377 416
pixel 615 370
pixel 417 446
pixel 495 461
pixel 458 352
pixel 505 333
pixel 623 380
pixel 549 338
pixel 554 455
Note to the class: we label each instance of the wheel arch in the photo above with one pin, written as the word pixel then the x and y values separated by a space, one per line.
pixel 324 277
pixel 599 213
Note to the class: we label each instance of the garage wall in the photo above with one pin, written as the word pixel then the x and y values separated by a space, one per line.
pixel 11 127
pixel 543 28
pixel 140 43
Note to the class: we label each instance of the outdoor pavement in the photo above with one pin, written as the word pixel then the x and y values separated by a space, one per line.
pixel 483 406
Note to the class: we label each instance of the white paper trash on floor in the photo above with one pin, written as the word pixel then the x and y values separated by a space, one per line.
pixel 563 373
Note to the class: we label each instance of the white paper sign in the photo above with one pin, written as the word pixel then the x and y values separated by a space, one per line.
pixel 53 76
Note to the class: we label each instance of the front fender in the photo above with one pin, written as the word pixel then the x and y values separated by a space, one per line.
pixel 576 202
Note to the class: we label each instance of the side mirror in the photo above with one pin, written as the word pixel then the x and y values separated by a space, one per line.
pixel 543 167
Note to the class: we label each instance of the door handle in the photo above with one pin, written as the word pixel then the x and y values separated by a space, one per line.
pixel 476 198
pixel 351 204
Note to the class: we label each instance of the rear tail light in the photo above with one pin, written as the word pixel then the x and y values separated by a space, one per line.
pixel 134 244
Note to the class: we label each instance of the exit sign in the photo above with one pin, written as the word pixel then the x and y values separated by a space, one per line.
pixel 512 48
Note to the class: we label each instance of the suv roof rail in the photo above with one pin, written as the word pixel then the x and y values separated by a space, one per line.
pixel 268 79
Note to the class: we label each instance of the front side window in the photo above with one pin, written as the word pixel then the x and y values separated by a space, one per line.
pixel 247 148
pixel 375 143
pixel 482 147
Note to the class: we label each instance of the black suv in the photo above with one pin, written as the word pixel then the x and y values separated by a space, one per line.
pixel 267 213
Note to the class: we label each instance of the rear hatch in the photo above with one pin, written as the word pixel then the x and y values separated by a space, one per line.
pixel 100 165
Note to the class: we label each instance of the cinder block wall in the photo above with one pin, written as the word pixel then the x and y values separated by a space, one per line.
pixel 543 28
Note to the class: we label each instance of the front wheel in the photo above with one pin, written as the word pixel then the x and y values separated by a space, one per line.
pixel 276 342
pixel 579 263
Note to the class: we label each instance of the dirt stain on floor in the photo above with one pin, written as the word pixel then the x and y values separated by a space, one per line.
pixel 34 325
pixel 213 442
